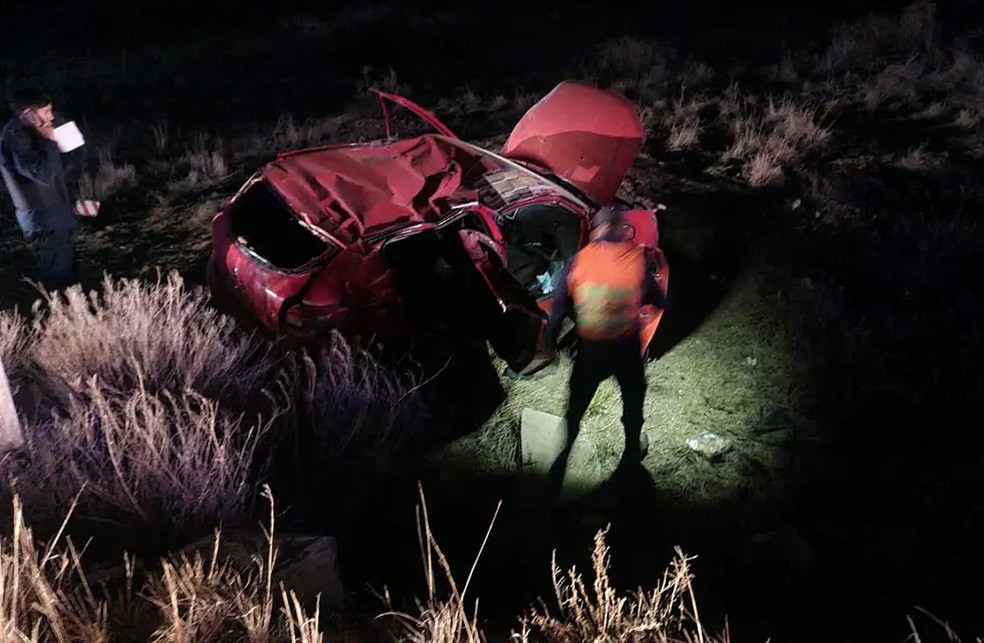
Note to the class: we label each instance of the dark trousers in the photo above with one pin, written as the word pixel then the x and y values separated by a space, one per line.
pixel 54 254
pixel 596 362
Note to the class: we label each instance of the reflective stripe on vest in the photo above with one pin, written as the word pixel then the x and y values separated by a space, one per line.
pixel 605 284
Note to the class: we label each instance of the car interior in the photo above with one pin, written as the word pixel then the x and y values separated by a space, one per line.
pixel 539 239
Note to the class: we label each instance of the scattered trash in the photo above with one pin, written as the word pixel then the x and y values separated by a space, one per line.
pixel 710 445
pixel 751 361
pixel 795 205
pixel 87 208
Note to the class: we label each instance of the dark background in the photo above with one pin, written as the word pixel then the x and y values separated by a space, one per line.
pixel 97 27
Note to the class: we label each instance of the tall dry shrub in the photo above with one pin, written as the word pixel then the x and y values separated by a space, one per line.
pixel 15 342
pixel 349 416
pixel 162 335
pixel 148 469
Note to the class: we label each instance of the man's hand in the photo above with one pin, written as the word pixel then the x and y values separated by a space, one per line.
pixel 47 130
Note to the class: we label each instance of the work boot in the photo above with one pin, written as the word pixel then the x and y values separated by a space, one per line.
pixel 637 452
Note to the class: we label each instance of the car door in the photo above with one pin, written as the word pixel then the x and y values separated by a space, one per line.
pixel 454 273
pixel 642 228
pixel 513 322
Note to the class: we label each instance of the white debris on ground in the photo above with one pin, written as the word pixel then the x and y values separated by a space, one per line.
pixel 709 445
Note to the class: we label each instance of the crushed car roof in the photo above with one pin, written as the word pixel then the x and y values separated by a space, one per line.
pixel 349 191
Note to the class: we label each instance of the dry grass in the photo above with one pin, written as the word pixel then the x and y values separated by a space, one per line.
pixel 683 123
pixel 441 618
pixel 135 396
pixel 46 595
pixel 868 44
pixel 768 141
pixel 919 159
pixel 666 613
pixel 896 82
pixel 14 341
pixel 206 164
pixel 108 179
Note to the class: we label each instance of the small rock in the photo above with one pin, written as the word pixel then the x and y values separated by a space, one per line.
pixel 308 565
pixel 709 445
pixel 543 437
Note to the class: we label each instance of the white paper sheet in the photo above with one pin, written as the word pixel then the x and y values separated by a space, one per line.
pixel 11 435
pixel 68 137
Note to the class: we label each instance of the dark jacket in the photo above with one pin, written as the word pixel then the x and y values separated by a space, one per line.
pixel 562 307
pixel 36 177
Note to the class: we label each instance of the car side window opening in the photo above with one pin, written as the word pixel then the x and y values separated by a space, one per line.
pixel 263 225
pixel 539 238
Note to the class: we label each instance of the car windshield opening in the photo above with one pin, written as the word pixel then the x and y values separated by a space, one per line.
pixel 269 230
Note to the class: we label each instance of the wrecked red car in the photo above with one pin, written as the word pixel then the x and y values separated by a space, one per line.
pixel 384 239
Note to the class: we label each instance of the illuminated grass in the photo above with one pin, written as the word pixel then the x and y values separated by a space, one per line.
pixel 736 367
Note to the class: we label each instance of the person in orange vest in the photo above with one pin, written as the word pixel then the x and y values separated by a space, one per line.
pixel 603 286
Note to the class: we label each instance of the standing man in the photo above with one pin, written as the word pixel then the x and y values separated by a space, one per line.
pixel 35 175
pixel 604 285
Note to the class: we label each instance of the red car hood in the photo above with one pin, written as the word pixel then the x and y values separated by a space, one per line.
pixel 348 191
pixel 583 134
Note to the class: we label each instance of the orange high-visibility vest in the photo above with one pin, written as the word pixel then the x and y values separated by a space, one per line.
pixel 605 286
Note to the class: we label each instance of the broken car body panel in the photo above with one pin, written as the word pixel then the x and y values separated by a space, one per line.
pixel 585 135
pixel 385 239
pixel 642 228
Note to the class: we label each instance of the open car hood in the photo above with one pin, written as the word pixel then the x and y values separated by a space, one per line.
pixel 585 135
